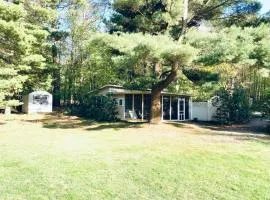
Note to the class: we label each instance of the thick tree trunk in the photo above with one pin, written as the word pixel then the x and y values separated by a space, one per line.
pixel 56 79
pixel 155 112
pixel 7 110
pixel 56 88
pixel 184 21
pixel 155 115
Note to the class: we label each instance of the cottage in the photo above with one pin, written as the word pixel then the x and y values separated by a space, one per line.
pixel 135 104
pixel 37 102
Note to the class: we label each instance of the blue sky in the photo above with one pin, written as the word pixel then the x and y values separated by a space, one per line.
pixel 266 6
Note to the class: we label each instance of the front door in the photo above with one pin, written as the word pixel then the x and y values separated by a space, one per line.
pixel 181 109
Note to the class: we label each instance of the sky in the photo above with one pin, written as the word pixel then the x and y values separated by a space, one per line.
pixel 266 6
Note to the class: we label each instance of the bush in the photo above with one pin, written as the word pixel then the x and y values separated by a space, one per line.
pixel 234 106
pixel 98 107
pixel 264 104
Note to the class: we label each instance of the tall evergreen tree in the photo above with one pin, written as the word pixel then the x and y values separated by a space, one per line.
pixel 14 49
pixel 174 17
pixel 23 47
pixel 163 16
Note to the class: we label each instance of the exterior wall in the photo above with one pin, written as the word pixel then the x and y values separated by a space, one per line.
pixel 132 112
pixel 203 111
pixel 33 106
pixel 120 99
pixel 104 92
pixel 190 108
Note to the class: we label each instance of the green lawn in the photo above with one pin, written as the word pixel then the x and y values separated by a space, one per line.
pixel 73 159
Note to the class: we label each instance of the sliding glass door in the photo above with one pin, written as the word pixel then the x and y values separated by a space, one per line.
pixel 181 103
pixel 173 108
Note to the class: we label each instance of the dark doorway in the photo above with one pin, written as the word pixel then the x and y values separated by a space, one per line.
pixel 146 106
pixel 166 108
pixel 138 105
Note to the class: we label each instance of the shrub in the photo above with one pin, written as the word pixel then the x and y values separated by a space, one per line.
pixel 264 104
pixel 97 107
pixel 234 106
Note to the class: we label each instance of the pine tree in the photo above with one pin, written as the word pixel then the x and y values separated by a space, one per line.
pixel 23 48
pixel 14 47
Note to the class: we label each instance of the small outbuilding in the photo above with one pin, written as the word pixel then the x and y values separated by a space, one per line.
pixel 37 102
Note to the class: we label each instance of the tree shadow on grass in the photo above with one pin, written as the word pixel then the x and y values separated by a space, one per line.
pixel 2 123
pixel 116 126
pixel 66 125
pixel 92 125
pixel 60 121
pixel 242 132
pixel 258 127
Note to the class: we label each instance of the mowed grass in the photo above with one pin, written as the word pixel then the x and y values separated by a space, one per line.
pixel 68 158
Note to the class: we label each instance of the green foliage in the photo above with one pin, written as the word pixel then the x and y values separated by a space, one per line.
pixel 87 65
pixel 223 110
pixel 201 76
pixel 165 16
pixel 234 106
pixel 236 54
pixel 23 49
pixel 264 104
pixel 135 55
pixel 100 108
pixel 14 45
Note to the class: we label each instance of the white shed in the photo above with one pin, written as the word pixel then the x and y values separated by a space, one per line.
pixel 37 102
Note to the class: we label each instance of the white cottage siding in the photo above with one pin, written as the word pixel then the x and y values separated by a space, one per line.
pixel 120 100
pixel 203 111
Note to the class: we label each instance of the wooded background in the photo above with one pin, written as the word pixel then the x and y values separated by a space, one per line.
pixel 69 48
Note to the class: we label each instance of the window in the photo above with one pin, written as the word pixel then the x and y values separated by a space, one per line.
pixel 41 99
pixel 120 102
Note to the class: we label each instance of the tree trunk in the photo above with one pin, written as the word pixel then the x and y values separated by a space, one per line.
pixel 56 88
pixel 184 21
pixel 7 110
pixel 56 79
pixel 155 112
pixel 155 106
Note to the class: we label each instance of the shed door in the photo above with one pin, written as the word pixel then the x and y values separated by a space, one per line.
pixel 121 107
pixel 181 111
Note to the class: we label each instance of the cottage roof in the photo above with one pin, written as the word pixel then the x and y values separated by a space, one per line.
pixel 117 89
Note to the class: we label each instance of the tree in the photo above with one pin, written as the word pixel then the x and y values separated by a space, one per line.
pixel 81 20
pixel 175 17
pixel 234 106
pixel 24 48
pixel 265 103
pixel 15 43
pixel 141 60
pixel 166 16
pixel 245 51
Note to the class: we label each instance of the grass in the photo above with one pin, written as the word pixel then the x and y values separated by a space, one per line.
pixel 69 158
